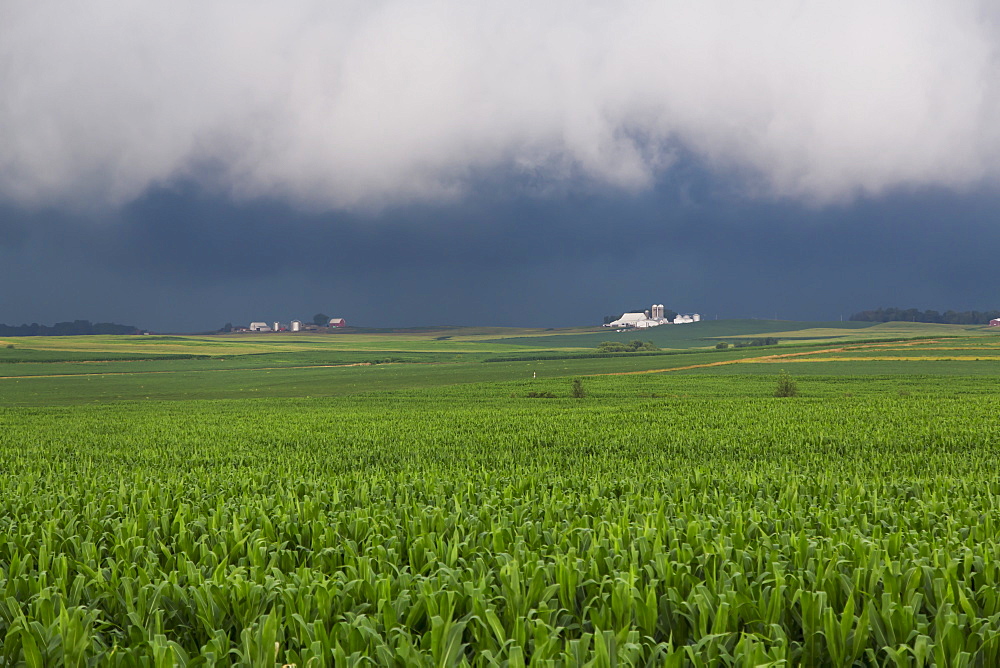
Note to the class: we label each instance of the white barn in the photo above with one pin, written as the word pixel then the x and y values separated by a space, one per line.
pixel 628 320
pixel 259 327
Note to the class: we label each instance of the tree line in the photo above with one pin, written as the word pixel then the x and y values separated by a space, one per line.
pixel 631 347
pixel 765 341
pixel 75 328
pixel 916 315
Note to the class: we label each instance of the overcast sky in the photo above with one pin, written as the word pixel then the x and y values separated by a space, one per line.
pixel 179 165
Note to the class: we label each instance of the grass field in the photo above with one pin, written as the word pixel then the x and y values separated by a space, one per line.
pixel 708 332
pixel 249 500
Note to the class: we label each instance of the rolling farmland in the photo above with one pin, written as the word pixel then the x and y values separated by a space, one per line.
pixel 269 505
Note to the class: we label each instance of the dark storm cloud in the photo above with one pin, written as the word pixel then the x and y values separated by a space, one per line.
pixel 347 105
pixel 183 261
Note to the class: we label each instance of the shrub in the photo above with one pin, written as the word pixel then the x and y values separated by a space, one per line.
pixel 786 386
pixel 578 391
pixel 632 346
pixel 541 395
pixel 721 345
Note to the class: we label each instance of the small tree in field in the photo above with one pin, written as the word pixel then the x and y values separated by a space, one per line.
pixel 786 386
pixel 578 391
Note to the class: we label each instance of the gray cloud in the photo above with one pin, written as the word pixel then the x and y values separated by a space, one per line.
pixel 367 104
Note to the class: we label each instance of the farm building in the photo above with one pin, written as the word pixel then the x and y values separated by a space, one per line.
pixel 995 322
pixel 259 327
pixel 629 320
pixel 296 325
pixel 337 322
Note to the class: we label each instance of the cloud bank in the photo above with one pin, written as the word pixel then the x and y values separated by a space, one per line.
pixel 341 105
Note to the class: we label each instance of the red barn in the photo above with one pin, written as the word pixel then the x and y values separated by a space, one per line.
pixel 995 322
pixel 337 322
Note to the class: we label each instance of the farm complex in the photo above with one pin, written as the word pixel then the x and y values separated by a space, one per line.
pixel 293 326
pixel 653 317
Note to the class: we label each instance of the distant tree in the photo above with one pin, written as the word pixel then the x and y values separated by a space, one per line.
pixel 577 390
pixel 721 345
pixel 786 386
pixel 321 320
pixel 228 327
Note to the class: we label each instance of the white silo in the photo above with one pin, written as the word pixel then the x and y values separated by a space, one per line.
pixel 296 325
pixel 277 326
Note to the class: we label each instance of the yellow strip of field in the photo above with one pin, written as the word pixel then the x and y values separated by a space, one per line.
pixel 974 348
pixel 876 358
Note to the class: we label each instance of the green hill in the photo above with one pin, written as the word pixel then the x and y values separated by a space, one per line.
pixel 691 335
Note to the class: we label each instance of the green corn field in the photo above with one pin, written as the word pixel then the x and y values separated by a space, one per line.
pixel 656 520
pixel 465 527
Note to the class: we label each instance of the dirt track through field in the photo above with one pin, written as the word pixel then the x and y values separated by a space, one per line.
pixel 767 359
